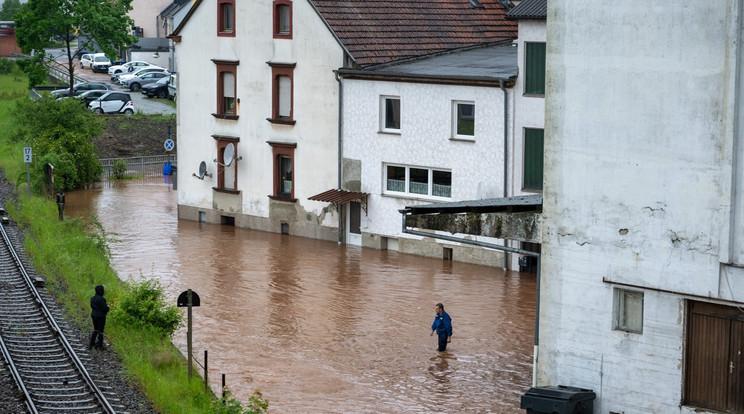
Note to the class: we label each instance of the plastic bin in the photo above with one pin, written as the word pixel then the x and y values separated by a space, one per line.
pixel 559 399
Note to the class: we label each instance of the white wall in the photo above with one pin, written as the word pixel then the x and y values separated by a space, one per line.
pixel 161 60
pixel 426 129
pixel 145 14
pixel 316 53
pixel 637 189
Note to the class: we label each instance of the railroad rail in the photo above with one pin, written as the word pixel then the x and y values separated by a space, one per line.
pixel 44 363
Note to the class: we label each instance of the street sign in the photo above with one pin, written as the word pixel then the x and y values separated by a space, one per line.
pixel 183 299
pixel 27 155
pixel 188 299
pixel 169 144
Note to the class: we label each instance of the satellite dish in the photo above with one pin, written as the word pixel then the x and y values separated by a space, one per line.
pixel 229 155
pixel 202 169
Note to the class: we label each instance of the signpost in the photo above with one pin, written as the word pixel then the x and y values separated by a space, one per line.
pixel 188 299
pixel 27 158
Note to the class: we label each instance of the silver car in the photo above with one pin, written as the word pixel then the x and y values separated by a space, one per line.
pixel 137 82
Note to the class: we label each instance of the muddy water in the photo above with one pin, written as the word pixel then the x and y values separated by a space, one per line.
pixel 321 328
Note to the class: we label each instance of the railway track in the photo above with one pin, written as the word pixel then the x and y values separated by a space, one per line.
pixel 47 366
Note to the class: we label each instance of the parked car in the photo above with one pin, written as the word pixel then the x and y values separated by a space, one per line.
pixel 87 59
pixel 100 64
pixel 128 67
pixel 172 86
pixel 159 88
pixel 113 103
pixel 80 88
pixel 89 96
pixel 137 82
pixel 124 78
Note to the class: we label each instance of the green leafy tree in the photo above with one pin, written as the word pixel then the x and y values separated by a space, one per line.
pixel 104 22
pixel 10 9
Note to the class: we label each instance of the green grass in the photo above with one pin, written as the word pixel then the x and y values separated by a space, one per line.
pixel 72 255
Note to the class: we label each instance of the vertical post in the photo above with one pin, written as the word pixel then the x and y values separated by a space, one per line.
pixel 188 333
pixel 28 179
pixel 206 370
pixel 223 388
pixel 142 169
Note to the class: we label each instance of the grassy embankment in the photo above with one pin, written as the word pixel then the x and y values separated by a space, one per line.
pixel 74 259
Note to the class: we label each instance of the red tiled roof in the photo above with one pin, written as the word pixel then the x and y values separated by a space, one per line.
pixel 381 31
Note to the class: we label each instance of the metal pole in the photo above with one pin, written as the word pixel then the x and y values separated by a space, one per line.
pixel 188 333
pixel 28 179
pixel 223 388
pixel 206 370
pixel 536 346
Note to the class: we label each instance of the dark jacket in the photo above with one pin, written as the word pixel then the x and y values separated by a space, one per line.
pixel 99 307
pixel 442 324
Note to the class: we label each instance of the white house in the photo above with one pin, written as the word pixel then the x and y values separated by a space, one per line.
pixel 259 101
pixel 145 14
pixel 427 130
pixel 643 218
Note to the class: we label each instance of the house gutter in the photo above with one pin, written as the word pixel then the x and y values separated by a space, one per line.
pixel 341 216
pixel 506 156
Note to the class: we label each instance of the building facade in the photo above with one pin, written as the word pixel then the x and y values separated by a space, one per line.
pixel 146 17
pixel 643 218
pixel 8 41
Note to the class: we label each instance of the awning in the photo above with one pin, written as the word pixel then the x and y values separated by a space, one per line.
pixel 525 203
pixel 337 196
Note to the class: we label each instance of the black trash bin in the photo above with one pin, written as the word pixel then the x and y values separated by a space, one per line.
pixel 559 399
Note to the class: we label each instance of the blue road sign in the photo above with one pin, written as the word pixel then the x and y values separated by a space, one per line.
pixel 169 144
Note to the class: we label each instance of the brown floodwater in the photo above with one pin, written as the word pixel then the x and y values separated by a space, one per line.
pixel 321 328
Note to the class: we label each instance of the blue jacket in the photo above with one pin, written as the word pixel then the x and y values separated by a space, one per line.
pixel 442 324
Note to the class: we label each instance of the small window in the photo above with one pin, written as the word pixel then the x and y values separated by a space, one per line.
pixel 533 159
pixel 285 176
pixel 228 93
pixel 418 181
pixel 396 179
pixel 390 114
pixel 226 18
pixel 442 184
pixel 285 97
pixel 227 175
pixel 534 62
pixel 284 171
pixel 283 94
pixel 227 90
pixel 282 19
pixel 463 120
pixel 628 311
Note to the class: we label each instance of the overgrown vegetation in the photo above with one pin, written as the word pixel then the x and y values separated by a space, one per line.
pixel 256 405
pixel 119 169
pixel 73 257
pixel 34 69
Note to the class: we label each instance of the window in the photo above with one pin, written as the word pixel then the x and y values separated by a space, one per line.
pixel 227 102
pixel 628 311
pixel 282 111
pixel 284 171
pixel 417 181
pixel 282 19
pixel 714 375
pixel 227 153
pixel 226 18
pixel 533 159
pixel 390 114
pixel 534 62
pixel 463 120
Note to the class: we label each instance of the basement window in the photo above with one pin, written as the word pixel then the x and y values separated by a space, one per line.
pixel 628 311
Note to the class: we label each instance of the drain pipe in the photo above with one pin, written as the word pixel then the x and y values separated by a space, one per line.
pixel 341 210
pixel 738 127
pixel 506 156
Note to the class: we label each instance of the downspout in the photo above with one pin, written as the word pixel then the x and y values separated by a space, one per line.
pixel 506 157
pixel 341 211
pixel 735 156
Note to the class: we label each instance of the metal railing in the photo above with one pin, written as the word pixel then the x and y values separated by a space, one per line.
pixel 135 167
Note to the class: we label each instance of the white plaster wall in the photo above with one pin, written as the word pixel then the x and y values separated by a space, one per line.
pixel 426 129
pixel 637 151
pixel 316 54
pixel 529 111
pixel 145 14
pixel 161 60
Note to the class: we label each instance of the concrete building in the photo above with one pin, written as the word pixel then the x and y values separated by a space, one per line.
pixel 270 139
pixel 170 18
pixel 643 217
pixel 146 17
pixel 428 130
pixel 8 41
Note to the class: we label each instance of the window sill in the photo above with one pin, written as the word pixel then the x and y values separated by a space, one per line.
pixel 389 132
pixel 226 191
pixel 532 190
pixel 226 34
pixel 284 199
pixel 226 116
pixel 283 36
pixel 281 121
pixel 534 95
pixel 404 196
pixel 463 139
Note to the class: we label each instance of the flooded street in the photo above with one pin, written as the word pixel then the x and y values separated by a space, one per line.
pixel 322 328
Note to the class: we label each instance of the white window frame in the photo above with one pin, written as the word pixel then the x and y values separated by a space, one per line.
pixel 619 303
pixel 383 114
pixel 455 135
pixel 407 193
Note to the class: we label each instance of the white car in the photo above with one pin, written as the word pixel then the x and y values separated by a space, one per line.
pixel 113 103
pixel 87 59
pixel 124 78
pixel 128 67
pixel 100 64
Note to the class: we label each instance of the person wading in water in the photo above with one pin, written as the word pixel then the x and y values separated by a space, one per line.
pixel 442 325
pixel 99 309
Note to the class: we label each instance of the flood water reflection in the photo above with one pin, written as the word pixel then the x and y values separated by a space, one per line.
pixel 322 328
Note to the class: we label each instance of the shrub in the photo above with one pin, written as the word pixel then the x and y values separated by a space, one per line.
pixel 34 69
pixel 144 305
pixel 119 169
pixel 256 405
pixel 6 66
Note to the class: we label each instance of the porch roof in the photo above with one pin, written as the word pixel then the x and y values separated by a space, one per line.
pixel 525 203
pixel 338 196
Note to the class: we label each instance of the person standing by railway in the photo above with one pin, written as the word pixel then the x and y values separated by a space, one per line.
pixel 99 309
pixel 442 325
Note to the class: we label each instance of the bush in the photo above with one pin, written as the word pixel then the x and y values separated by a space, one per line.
pixel 35 70
pixel 119 169
pixel 256 405
pixel 144 305
pixel 6 66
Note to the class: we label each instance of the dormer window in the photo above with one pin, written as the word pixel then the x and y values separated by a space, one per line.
pixel 226 18
pixel 282 19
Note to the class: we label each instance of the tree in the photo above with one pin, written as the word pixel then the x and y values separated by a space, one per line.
pixel 10 9
pixel 104 22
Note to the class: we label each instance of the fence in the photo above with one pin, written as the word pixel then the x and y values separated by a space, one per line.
pixel 137 167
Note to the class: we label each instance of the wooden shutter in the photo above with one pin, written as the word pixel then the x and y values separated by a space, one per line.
pixel 736 370
pixel 534 62
pixel 533 159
